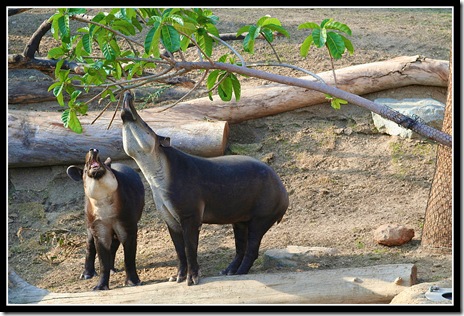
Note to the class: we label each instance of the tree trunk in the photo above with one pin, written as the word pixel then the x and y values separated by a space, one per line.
pixel 437 233
pixel 365 285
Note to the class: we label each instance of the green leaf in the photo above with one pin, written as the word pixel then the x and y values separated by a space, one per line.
pixel 75 94
pixel 306 45
pixel 339 27
pixel 108 51
pixel 170 38
pixel 325 22
pixel 82 108
pixel 308 25
pixel 53 85
pixel 278 29
pixel 114 45
pixel 335 44
pixel 63 25
pixel 225 89
pixel 74 11
pixel 70 120
pixel 348 44
pixel 152 39
pixel 124 27
pixel 268 21
pixel 268 34
pixel 205 42
pixel 236 86
pixel 249 40
pixel 319 37
pixel 55 29
pixel 187 28
pixel 243 29
pixel 56 53
pixel 58 93
pixel 335 102
pixel 87 43
pixel 212 78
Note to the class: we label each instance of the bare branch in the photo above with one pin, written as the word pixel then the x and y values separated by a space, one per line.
pixel 380 109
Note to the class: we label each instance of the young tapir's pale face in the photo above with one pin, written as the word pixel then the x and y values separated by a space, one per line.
pixel 99 180
pixel 138 138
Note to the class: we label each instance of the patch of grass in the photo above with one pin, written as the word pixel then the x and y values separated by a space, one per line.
pixel 245 149
pixel 360 244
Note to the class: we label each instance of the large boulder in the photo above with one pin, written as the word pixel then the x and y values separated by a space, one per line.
pixel 428 111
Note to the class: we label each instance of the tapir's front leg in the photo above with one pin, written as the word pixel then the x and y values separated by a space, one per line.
pixel 178 240
pixel 103 240
pixel 90 254
pixel 191 232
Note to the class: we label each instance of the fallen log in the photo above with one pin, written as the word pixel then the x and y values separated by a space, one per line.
pixel 362 79
pixel 255 102
pixel 39 138
pixel 366 285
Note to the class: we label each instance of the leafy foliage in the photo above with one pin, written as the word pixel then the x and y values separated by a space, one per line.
pixel 320 36
pixel 115 60
pixel 265 27
pixel 336 44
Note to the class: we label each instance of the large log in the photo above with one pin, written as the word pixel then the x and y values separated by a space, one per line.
pixel 39 138
pixel 362 79
pixel 255 102
pixel 366 285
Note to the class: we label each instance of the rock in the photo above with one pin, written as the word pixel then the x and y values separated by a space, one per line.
pixel 393 235
pixel 416 294
pixel 430 112
pixel 290 256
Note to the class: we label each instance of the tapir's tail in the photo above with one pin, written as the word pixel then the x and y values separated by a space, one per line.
pixel 283 208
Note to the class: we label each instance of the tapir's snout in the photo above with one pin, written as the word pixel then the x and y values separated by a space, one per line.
pixel 128 112
pixel 93 165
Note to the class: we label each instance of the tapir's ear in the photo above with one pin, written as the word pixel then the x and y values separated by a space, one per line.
pixel 165 141
pixel 75 173
pixel 108 162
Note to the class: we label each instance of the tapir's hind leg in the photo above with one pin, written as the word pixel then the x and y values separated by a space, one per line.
pixel 241 239
pixel 114 248
pixel 130 250
pixel 257 227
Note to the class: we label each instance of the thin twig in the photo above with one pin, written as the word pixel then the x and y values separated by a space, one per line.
pixel 231 48
pixel 288 66
pixel 102 111
pixel 187 94
pixel 116 109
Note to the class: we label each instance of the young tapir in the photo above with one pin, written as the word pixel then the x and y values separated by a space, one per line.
pixel 114 200
pixel 190 190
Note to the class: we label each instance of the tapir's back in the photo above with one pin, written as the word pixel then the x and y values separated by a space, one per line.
pixel 231 184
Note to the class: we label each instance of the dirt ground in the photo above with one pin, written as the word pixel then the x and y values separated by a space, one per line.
pixel 344 178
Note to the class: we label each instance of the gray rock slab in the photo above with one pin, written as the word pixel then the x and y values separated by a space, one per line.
pixel 429 110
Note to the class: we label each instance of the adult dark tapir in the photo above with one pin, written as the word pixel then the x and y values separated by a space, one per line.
pixel 189 190
pixel 114 200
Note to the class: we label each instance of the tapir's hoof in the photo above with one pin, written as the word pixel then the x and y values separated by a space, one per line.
pixel 226 272
pixel 193 280
pixel 101 288
pixel 132 283
pixel 86 276
pixel 177 278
